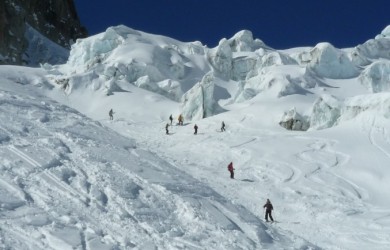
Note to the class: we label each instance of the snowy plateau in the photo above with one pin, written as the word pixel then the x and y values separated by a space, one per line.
pixel 307 128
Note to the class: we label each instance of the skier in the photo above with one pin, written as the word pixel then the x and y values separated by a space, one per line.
pixel 196 129
pixel 166 129
pixel 171 119
pixel 268 210
pixel 223 127
pixel 111 114
pixel 231 170
pixel 180 119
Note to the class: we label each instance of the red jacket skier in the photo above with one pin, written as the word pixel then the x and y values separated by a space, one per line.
pixel 231 170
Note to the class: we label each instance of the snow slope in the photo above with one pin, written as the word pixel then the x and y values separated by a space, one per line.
pixel 68 182
pixel 72 178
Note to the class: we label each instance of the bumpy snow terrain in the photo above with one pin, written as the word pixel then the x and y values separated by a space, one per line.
pixel 307 128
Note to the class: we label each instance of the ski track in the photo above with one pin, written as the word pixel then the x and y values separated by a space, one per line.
pixel 375 132
pixel 141 200
pixel 160 191
pixel 319 160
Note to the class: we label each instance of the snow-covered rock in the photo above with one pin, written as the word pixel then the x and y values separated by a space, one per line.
pixel 292 120
pixel 329 62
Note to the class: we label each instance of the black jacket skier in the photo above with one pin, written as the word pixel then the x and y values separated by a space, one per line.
pixel 268 210
pixel 223 127
pixel 166 129
pixel 111 113
pixel 171 118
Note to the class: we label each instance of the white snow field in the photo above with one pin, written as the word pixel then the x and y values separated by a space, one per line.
pixel 71 178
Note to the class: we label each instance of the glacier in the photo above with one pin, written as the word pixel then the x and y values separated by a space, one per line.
pixel 306 127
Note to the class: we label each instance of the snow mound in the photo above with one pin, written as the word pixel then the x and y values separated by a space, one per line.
pixel 329 62
pixel 243 41
pixel 278 81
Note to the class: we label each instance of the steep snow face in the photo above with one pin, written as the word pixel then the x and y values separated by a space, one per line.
pixel 41 50
pixel 69 182
pixel 376 77
pixel 329 62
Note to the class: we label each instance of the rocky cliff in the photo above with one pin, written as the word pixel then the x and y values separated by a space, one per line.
pixel 29 28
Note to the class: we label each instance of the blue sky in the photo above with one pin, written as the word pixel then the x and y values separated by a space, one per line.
pixel 279 23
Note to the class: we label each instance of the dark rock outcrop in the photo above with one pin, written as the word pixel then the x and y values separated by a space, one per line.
pixel 55 19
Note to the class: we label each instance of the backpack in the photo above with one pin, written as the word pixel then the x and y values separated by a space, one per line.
pixel 230 166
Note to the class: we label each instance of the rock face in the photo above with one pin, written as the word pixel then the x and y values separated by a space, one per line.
pixel 55 20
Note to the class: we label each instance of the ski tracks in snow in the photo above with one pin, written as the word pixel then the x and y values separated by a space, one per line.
pixel 379 138
pixel 318 162
pixel 217 209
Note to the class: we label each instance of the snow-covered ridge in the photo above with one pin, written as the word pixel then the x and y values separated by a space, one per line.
pixel 245 67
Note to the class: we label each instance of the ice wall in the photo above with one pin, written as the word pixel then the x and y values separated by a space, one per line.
pixel 329 62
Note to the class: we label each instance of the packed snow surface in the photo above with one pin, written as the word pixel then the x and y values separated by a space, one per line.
pixel 71 178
